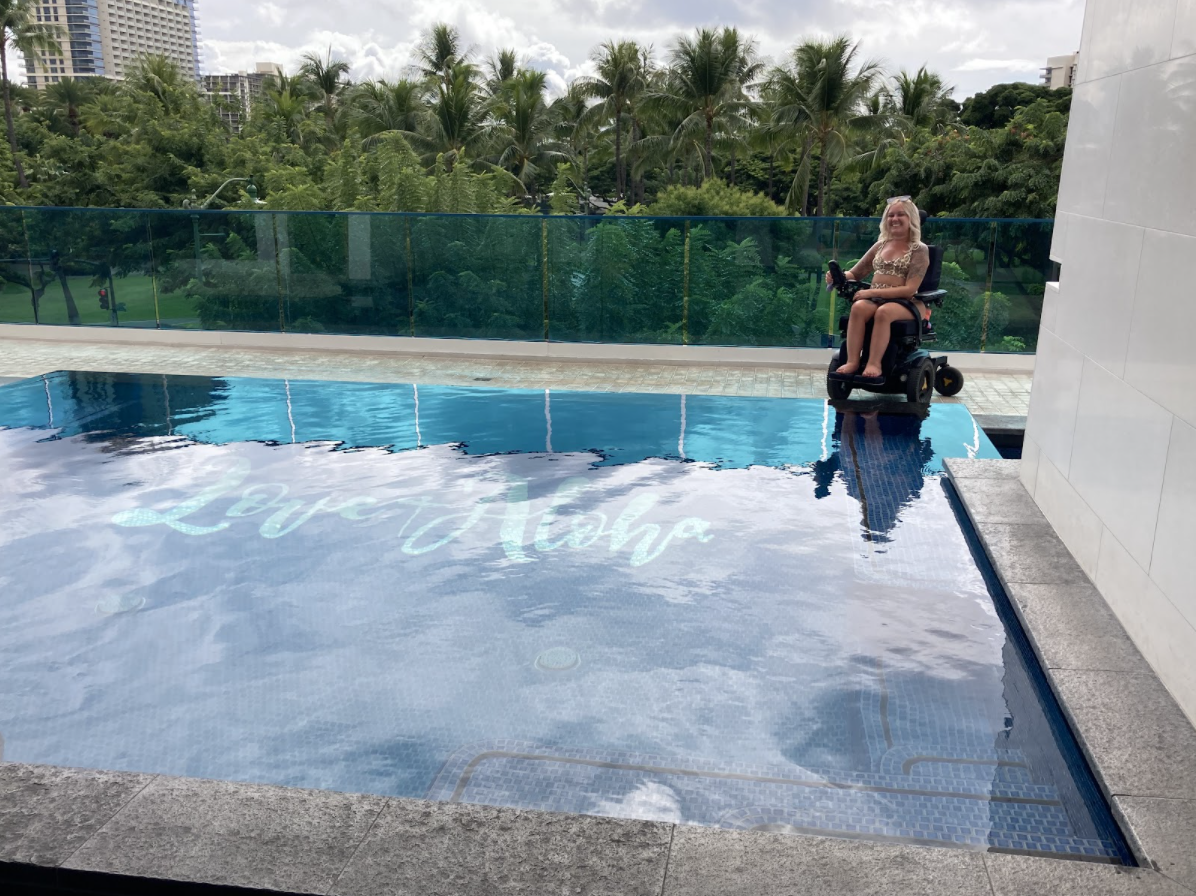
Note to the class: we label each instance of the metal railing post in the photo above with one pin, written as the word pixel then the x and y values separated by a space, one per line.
pixel 988 284
pixel 685 291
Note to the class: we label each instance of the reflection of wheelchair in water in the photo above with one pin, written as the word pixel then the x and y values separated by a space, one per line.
pixel 906 366
pixel 880 453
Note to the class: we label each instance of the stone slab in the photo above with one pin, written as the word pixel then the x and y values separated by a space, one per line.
pixel 247 835
pixel 420 848
pixel 1135 735
pixel 981 468
pixel 1032 876
pixel 706 862
pixel 47 813
pixel 998 501
pixel 1001 423
pixel 1073 628
pixel 1165 831
pixel 1029 554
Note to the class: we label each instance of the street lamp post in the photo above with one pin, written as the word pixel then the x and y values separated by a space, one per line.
pixel 251 191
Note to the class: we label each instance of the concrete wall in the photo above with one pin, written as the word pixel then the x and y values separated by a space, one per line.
pixel 1110 451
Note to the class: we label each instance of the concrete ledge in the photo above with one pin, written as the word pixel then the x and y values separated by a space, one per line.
pixel 738 356
pixel 1138 741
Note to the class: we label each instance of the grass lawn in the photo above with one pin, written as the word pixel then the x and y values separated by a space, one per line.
pixel 135 292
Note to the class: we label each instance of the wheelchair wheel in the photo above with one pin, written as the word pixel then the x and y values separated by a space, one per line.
pixel 839 390
pixel 920 385
pixel 948 381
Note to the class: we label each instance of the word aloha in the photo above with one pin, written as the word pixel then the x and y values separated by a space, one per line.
pixel 432 528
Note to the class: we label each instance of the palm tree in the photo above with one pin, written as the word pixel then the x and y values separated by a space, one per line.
pixel 65 98
pixel 574 131
pixel 455 119
pixel 922 100
pixel 707 84
pixel 501 68
pixel 19 30
pixel 439 54
pixel 622 77
pixel 524 138
pixel 159 79
pixel 326 75
pixel 827 96
pixel 381 107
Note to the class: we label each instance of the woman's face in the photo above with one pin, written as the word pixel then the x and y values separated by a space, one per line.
pixel 897 220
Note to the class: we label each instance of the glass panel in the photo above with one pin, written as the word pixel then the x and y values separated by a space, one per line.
pixel 749 281
pixel 217 270
pixel 1020 269
pixel 478 276
pixel 759 281
pixel 17 295
pixel 91 267
pixel 345 273
pixel 960 322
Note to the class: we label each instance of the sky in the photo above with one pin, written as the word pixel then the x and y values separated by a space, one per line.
pixel 973 44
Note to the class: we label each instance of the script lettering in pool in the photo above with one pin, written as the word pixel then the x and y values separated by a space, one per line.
pixel 427 524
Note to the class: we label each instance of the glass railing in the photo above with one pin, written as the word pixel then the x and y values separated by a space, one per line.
pixel 682 281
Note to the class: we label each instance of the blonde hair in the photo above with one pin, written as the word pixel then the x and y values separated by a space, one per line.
pixel 915 220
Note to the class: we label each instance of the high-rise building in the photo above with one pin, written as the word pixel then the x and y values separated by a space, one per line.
pixel 237 93
pixel 1060 71
pixel 105 37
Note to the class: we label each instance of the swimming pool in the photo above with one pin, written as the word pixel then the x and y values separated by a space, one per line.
pixel 742 612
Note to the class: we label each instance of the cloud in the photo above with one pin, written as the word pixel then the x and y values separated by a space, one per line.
pixel 968 38
pixel 1004 65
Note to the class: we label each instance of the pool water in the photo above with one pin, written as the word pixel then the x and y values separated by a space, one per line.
pixel 742 612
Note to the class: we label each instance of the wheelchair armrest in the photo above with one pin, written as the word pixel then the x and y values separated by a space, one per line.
pixel 931 297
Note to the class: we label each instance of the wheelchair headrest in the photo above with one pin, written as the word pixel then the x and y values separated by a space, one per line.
pixel 934 270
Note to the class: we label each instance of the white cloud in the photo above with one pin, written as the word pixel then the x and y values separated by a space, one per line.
pixel 967 38
pixel 999 65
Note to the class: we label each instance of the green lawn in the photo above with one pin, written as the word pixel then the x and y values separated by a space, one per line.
pixel 135 292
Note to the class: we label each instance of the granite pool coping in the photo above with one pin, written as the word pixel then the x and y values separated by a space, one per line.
pixel 1138 742
pixel 84 831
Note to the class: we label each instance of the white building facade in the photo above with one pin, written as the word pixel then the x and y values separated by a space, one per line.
pixel 105 37
pixel 1060 71
pixel 1110 449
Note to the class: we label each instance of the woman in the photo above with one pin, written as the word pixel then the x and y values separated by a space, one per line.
pixel 898 262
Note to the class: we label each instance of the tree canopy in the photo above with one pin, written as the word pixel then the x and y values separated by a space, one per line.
pixel 706 125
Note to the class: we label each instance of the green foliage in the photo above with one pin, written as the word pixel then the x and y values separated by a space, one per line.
pixel 995 107
pixel 714 198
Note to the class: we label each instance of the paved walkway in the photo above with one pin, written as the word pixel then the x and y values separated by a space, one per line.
pixel 984 393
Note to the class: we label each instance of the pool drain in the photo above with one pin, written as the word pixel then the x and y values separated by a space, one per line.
pixel 558 659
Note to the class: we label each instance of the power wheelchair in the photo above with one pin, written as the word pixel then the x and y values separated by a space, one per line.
pixel 906 367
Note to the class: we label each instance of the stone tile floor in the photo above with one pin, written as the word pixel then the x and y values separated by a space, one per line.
pixel 984 392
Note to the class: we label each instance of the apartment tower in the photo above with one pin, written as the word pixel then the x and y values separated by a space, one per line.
pixel 105 37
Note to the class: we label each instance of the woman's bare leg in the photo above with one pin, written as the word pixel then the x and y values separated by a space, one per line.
pixel 861 312
pixel 880 335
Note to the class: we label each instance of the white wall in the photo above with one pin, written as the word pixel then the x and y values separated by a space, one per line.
pixel 1110 451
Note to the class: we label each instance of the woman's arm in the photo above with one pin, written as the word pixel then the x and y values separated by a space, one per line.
pixel 919 261
pixel 863 267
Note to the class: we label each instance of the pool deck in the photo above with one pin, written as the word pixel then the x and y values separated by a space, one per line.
pixel 88 831
pixel 986 393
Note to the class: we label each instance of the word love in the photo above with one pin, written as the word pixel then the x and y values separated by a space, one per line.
pixel 428 523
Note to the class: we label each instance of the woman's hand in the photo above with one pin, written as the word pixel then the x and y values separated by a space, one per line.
pixel 866 294
pixel 846 274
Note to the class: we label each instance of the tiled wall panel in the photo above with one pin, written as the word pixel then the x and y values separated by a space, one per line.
pixel 1096 290
pixel 1158 360
pixel 1120 35
pixel 1052 419
pixel 1110 450
pixel 1152 166
pixel 1086 156
pixel 1175 532
pixel 1119 456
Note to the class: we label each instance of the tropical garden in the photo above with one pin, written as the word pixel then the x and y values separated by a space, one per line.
pixel 705 128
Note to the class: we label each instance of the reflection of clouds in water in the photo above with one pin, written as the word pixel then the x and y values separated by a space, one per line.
pixel 650 801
